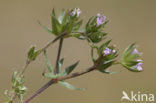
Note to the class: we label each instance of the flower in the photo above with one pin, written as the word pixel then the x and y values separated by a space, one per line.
pixel 138 66
pixel 76 11
pixel 100 19
pixel 107 51
pixel 135 51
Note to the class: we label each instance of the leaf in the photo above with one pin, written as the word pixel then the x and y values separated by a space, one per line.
pixel 60 64
pixel 131 68
pixel 103 46
pixel 61 16
pixel 50 68
pixel 14 76
pixel 88 23
pixel 31 52
pixel 128 50
pixel 108 72
pixel 105 64
pixel 69 86
pixel 36 53
pixel 45 27
pixel 77 25
pixel 50 75
pixel 56 27
pixel 129 60
pixel 69 69
pixel 53 12
pixel 131 63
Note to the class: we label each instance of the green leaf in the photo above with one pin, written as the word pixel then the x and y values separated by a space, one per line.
pixel 45 27
pixel 129 60
pixel 88 23
pixel 105 64
pixel 108 72
pixel 97 36
pixel 131 63
pixel 77 25
pixel 61 16
pixel 69 69
pixel 103 46
pixel 53 12
pixel 50 75
pixel 60 64
pixel 50 68
pixel 36 53
pixel 69 86
pixel 131 68
pixel 14 76
pixel 128 50
pixel 32 54
pixel 56 27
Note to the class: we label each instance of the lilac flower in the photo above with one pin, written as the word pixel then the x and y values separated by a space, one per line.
pixel 138 66
pixel 76 12
pixel 100 19
pixel 135 51
pixel 107 51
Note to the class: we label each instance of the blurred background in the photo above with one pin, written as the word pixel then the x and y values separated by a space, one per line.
pixel 129 21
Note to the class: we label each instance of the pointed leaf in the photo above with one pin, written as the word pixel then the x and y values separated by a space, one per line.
pixel 53 12
pixel 31 52
pixel 56 27
pixel 69 69
pixel 36 53
pixel 128 50
pixel 69 86
pixel 50 68
pixel 50 75
pixel 60 64
pixel 108 72
pixel 77 25
pixel 103 46
pixel 45 27
pixel 131 68
pixel 61 16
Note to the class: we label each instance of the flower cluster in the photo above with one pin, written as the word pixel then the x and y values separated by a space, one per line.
pixel 76 12
pixel 139 64
pixel 100 19
pixel 94 28
pixel 130 59
pixel 108 51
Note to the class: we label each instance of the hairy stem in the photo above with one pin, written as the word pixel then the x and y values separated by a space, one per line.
pixel 58 56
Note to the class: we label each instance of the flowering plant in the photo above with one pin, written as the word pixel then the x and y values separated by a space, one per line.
pixel 68 24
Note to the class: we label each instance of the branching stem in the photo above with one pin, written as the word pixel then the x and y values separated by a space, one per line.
pixel 28 61
pixel 53 81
